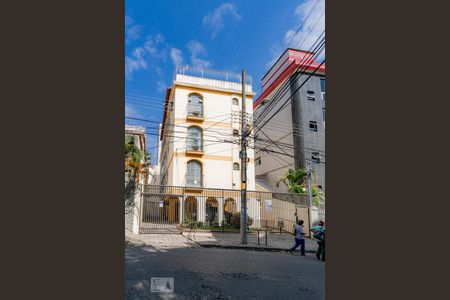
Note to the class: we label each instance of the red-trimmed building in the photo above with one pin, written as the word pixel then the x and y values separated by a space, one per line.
pixel 290 120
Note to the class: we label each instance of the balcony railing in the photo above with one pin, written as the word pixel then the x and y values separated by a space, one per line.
pixel 212 74
pixel 195 146
pixel 195 112
pixel 194 180
pixel 212 78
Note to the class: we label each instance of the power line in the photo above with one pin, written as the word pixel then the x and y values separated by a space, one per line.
pixel 290 97
pixel 304 22
pixel 303 64
pixel 175 125
pixel 301 68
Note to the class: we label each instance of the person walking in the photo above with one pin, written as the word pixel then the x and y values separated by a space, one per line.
pixel 319 236
pixel 299 239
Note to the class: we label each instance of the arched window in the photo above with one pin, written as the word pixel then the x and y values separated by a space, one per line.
pixel 195 105
pixel 194 138
pixel 235 132
pixel 235 101
pixel 236 166
pixel 194 173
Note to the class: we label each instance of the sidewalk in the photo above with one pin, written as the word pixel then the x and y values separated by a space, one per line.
pixel 159 241
pixel 275 241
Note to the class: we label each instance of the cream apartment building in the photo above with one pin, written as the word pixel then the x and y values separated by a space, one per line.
pixel 199 140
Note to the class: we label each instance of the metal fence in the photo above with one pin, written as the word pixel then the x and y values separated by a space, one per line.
pixel 194 208
pixel 211 74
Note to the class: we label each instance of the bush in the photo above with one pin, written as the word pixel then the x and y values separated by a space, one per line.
pixel 236 220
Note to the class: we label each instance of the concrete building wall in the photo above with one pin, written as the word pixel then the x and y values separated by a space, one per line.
pixel 311 141
pixel 291 126
pixel 280 130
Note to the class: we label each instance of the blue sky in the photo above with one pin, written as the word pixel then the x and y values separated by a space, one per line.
pixel 222 35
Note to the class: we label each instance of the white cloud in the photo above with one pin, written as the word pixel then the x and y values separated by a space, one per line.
pixel 150 47
pixel 131 111
pixel 135 62
pixel 214 21
pixel 196 49
pixel 133 33
pixel 159 38
pixel 153 48
pixel 311 17
pixel 176 55
pixel 161 86
pixel 128 21
pixel 201 63
pixel 312 27
pixel 132 30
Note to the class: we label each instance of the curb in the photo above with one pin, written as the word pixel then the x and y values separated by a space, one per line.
pixel 133 243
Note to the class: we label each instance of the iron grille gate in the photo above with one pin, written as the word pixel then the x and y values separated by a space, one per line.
pixel 172 208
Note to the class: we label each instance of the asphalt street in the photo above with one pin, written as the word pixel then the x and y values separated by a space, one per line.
pixel 208 273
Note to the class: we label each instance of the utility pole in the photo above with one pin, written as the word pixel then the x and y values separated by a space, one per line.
pixel 310 195
pixel 243 155
pixel 309 185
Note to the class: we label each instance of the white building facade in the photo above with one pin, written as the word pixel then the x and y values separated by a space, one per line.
pixel 201 130
pixel 199 143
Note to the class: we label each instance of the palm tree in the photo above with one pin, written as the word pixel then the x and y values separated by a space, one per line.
pixel 137 169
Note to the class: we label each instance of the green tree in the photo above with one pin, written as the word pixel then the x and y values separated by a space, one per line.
pixel 136 168
pixel 296 182
pixel 135 162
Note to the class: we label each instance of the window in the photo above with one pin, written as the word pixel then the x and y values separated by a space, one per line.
pixel 235 101
pixel 258 160
pixel 194 173
pixel 315 157
pixel 322 88
pixel 194 138
pixel 236 166
pixel 235 132
pixel 195 105
pixel 313 125
pixel 310 95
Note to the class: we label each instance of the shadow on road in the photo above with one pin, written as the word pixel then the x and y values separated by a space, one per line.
pixel 203 273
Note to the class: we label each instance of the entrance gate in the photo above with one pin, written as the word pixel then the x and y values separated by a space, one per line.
pixel 160 211
pixel 174 208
